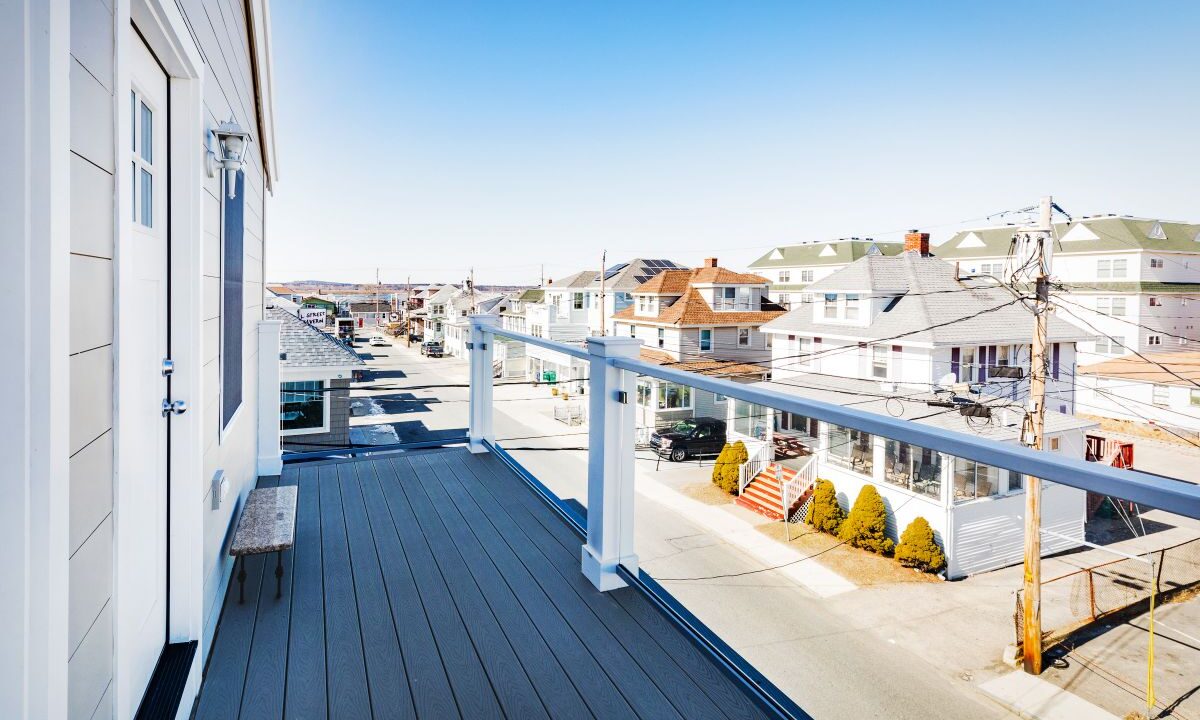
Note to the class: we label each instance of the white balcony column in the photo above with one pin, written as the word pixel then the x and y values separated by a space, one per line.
pixel 480 351
pixel 611 430
pixel 270 452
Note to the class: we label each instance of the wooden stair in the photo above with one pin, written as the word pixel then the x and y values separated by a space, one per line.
pixel 764 494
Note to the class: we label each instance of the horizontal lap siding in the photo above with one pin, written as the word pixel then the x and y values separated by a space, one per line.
pixel 990 534
pixel 90 327
pixel 220 30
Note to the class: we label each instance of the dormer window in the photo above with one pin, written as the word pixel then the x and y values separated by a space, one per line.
pixel 831 303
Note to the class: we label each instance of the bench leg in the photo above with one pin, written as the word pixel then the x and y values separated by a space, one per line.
pixel 241 580
pixel 278 575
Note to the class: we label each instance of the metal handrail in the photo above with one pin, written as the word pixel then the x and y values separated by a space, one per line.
pixel 572 350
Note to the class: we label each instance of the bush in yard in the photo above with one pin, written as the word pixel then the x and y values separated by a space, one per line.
pixel 918 549
pixel 725 470
pixel 866 526
pixel 824 513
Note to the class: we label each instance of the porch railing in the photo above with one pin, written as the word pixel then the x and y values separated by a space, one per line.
pixel 758 461
pixel 613 369
pixel 794 488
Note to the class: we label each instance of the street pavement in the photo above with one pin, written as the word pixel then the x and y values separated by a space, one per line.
pixel 834 664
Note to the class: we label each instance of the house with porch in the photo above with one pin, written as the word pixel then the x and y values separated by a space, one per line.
pixel 704 320
pixel 955 356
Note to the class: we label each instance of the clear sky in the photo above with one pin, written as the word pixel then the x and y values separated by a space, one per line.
pixel 424 138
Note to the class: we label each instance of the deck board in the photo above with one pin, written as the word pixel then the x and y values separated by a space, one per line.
pixel 435 584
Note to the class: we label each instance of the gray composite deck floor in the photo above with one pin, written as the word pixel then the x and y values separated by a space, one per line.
pixel 437 585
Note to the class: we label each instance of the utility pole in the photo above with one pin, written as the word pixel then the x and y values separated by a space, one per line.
pixel 1032 436
pixel 408 311
pixel 541 275
pixel 377 297
pixel 603 264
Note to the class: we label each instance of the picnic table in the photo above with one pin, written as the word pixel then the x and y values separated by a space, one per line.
pixel 267 524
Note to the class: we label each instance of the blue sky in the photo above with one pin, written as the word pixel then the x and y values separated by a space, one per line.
pixel 424 138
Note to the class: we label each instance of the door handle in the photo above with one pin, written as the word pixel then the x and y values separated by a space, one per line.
pixel 178 407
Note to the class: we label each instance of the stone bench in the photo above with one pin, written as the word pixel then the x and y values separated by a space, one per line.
pixel 267 524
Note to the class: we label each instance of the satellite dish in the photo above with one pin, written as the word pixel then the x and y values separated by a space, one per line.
pixel 945 381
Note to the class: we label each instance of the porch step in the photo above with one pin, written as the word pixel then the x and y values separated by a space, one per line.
pixel 764 493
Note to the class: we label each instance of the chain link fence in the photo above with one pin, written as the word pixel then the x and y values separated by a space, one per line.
pixel 1081 597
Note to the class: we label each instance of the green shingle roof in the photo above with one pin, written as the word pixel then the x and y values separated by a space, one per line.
pixel 1110 234
pixel 844 251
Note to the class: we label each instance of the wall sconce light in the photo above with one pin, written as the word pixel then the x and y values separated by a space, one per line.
pixel 232 142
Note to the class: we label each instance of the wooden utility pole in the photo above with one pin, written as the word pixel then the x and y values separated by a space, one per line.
pixel 408 311
pixel 1032 436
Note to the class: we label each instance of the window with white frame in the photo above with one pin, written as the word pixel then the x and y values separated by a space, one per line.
pixel 785 276
pixel 806 297
pixel 851 307
pixel 302 407
pixel 674 397
pixel 662 337
pixel 804 351
pixel 974 480
pixel 641 304
pixel 831 306
pixel 785 300
pixel 879 361
pixel 1194 398
pixel 913 468
pixel 743 337
pixel 1154 339
pixel 633 331
pixel 706 340
pixel 966 365
pixel 1119 268
pixel 577 301
pixel 1161 395
pixel 806 276
pixel 851 449
pixel 1156 262
pixel 1155 302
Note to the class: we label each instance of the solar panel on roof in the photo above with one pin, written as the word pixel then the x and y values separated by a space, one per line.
pixel 614 270
pixel 642 278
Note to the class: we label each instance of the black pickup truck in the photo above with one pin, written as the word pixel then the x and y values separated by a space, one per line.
pixel 689 438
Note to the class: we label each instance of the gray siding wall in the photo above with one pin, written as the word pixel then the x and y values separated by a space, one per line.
pixel 220 28
pixel 339 423
pixel 90 606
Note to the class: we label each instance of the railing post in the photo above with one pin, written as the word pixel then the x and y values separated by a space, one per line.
pixel 611 433
pixel 270 432
pixel 479 350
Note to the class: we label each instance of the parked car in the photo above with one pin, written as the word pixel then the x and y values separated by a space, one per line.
pixel 433 348
pixel 689 438
pixel 379 341
pixel 415 337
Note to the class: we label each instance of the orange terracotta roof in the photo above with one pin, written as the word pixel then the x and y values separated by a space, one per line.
pixel 677 282
pixel 692 309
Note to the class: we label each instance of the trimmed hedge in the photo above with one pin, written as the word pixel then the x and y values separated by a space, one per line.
pixel 918 548
pixel 824 512
pixel 866 526
pixel 725 470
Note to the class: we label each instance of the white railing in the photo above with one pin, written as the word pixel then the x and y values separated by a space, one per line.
pixel 613 370
pixel 726 304
pixel 794 488
pixel 758 460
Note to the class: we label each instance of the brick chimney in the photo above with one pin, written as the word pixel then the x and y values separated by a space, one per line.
pixel 916 242
pixel 710 262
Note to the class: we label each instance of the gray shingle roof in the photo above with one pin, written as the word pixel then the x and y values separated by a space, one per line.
pixel 305 346
pixel 928 295
pixel 581 279
pixel 634 273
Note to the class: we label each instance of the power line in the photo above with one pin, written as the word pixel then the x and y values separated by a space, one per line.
pixel 1135 352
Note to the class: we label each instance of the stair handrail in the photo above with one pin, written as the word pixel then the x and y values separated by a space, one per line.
pixel 755 464
pixel 795 487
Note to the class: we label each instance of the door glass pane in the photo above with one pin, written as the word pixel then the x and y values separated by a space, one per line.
pixel 133 121
pixel 133 178
pixel 147 134
pixel 147 198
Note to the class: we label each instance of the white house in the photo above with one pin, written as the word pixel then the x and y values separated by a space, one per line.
pixel 1136 281
pixel 1158 388
pixel 944 342
pixel 792 268
pixel 704 320
pixel 139 148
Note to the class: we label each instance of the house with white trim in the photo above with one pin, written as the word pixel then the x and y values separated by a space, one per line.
pixel 1153 390
pixel 140 149
pixel 792 268
pixel 703 320
pixel 1133 282
pixel 902 335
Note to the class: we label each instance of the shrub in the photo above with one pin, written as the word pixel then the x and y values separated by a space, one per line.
pixel 866 526
pixel 824 512
pixel 918 549
pixel 725 470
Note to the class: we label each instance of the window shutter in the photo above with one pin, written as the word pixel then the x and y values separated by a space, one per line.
pixel 1055 356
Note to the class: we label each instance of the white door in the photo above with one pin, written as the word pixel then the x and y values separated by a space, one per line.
pixel 143 600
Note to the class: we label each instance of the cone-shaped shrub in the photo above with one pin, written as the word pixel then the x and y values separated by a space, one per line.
pixel 824 513
pixel 725 474
pixel 918 549
pixel 718 474
pixel 866 526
